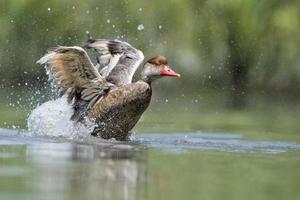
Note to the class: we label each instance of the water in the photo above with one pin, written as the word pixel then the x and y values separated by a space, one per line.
pixel 55 159
pixel 52 118
pixel 151 166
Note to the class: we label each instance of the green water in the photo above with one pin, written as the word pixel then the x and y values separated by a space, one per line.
pixel 215 175
pixel 261 160
pixel 153 166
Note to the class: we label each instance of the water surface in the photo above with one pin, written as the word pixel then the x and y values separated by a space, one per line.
pixel 151 166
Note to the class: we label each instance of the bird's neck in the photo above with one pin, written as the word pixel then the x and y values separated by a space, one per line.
pixel 147 74
pixel 146 79
pixel 149 79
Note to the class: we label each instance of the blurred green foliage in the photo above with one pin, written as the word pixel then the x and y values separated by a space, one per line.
pixel 239 46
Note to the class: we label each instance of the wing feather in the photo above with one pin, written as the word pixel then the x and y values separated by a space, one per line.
pixel 120 59
pixel 72 72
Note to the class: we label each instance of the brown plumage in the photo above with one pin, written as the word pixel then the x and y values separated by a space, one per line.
pixel 158 60
pixel 108 98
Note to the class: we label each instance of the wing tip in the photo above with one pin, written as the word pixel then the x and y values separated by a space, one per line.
pixel 48 56
pixel 101 44
pixel 89 41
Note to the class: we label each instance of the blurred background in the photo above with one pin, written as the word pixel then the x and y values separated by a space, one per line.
pixel 239 59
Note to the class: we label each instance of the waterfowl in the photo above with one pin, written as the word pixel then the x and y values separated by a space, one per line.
pixel 108 98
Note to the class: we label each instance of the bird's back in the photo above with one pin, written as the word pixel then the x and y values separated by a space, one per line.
pixel 117 112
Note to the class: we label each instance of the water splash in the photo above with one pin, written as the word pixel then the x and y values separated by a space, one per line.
pixel 141 27
pixel 53 119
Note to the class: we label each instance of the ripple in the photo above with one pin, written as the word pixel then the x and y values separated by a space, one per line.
pixel 170 142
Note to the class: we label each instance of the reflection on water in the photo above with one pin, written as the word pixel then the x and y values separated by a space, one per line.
pixel 71 171
pixel 203 165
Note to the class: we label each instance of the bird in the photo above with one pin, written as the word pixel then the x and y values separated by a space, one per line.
pixel 105 94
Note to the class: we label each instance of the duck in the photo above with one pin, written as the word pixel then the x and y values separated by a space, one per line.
pixel 105 93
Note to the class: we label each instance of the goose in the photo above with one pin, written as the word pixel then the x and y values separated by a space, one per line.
pixel 107 97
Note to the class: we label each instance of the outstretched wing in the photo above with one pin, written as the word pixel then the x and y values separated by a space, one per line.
pixel 71 70
pixel 120 59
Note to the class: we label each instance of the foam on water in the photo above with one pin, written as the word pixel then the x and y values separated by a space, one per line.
pixel 53 119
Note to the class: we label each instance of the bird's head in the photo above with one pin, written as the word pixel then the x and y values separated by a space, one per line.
pixel 157 67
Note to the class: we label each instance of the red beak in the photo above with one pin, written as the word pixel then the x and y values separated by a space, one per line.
pixel 167 71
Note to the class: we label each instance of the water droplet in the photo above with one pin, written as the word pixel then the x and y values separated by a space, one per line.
pixel 140 27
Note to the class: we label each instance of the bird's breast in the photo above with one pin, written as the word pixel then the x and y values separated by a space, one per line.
pixel 118 111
